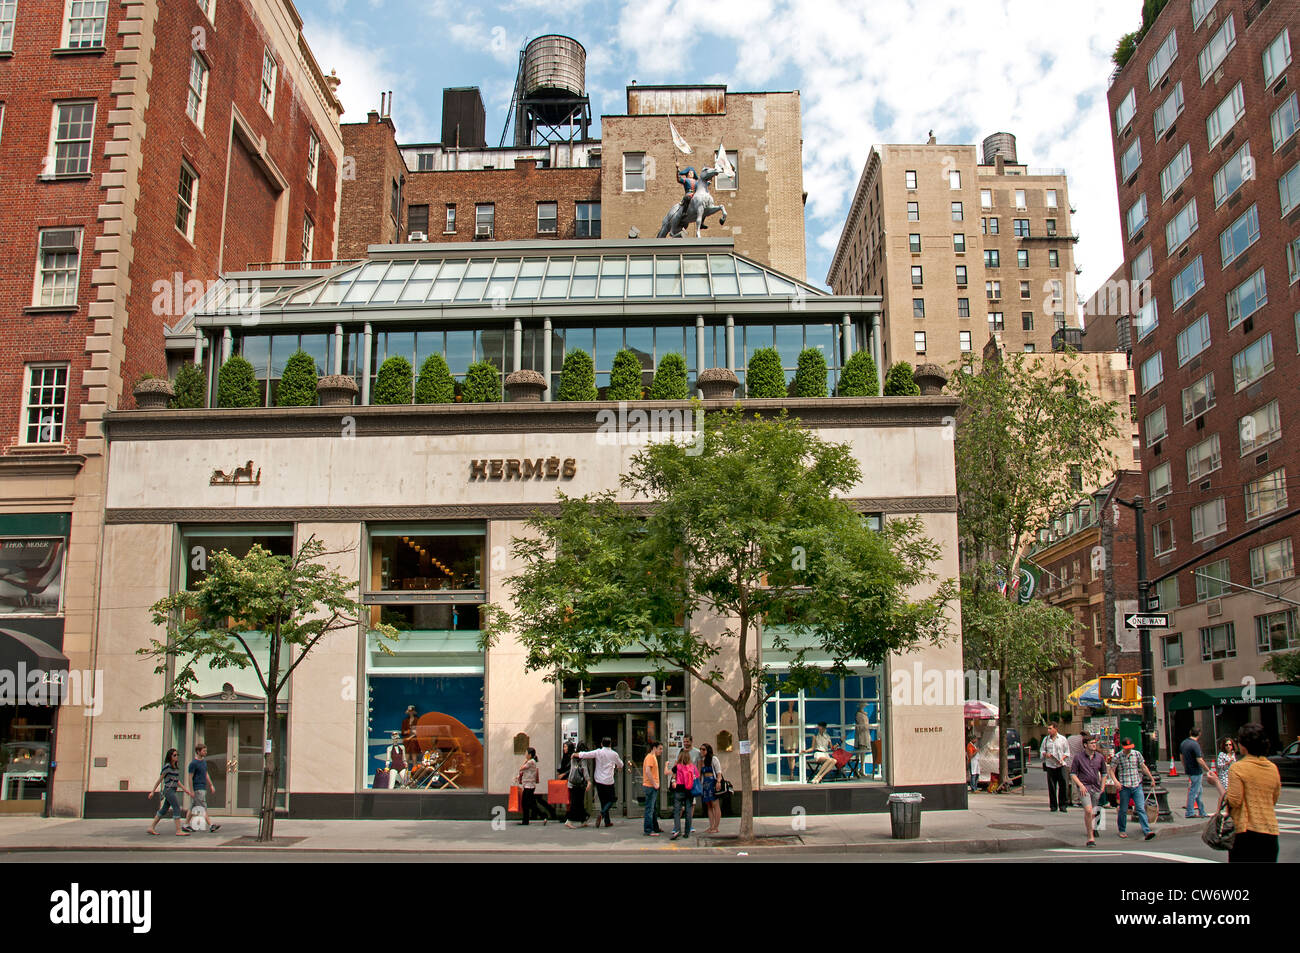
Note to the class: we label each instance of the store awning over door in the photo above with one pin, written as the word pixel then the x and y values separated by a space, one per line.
pixel 23 653
pixel 1195 699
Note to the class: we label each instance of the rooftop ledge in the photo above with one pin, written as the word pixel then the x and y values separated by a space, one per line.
pixel 511 417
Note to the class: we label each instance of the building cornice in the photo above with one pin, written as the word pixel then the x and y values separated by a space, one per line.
pixel 51 465
pixel 557 417
pixel 859 198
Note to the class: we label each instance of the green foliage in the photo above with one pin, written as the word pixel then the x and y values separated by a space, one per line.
pixel 747 524
pixel 237 384
pixel 625 377
pixel 436 385
pixel 1128 43
pixel 189 389
pixel 810 377
pixel 764 377
pixel 899 381
pixel 298 383
pixel 577 377
pixel 670 379
pixel 1124 49
pixel 286 603
pixel 1285 666
pixel 858 379
pixel 393 383
pixel 482 384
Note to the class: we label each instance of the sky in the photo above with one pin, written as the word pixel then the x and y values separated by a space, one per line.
pixel 880 71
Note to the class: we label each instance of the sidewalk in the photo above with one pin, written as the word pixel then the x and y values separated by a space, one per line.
pixel 993 824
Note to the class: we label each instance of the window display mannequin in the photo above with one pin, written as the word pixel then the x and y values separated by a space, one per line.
pixel 821 752
pixel 398 775
pixel 789 734
pixel 862 738
pixel 409 741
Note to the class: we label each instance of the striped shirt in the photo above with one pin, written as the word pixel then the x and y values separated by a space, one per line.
pixel 171 777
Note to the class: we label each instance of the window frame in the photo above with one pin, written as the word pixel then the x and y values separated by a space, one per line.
pixel 200 96
pixel 491 209
pixel 1212 460
pixel 1272 483
pixel 1156 361
pixel 1249 423
pixel 189 203
pixel 313 157
pixel 579 221
pixel 1154 63
pixel 1185 285
pixel 52 156
pixel 1259 286
pixel 1125 112
pixel 38 285
pixel 97 35
pixel 1259 572
pixel 1141 202
pixel 1221 191
pixel 1228 250
pixel 267 83
pixel 308 238
pixel 1211 399
pixel 1236 98
pixel 1264 344
pixel 1285 37
pixel 1221 518
pixel 1180 227
pixel 1208 652
pixel 1281 135
pixel 1126 171
pixel 26 407
pixel 554 218
pixel 1206 60
pixel 1183 161
pixel 1150 423
pixel 1203 334
pixel 7 24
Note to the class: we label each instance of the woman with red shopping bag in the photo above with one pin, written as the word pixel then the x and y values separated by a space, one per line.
pixel 527 779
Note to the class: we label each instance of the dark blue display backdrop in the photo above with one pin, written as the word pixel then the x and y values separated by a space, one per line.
pixel 460 696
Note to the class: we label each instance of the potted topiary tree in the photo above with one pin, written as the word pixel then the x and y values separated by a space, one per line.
pixel 393 383
pixel 717 383
pixel 237 384
pixel 625 377
pixel 859 378
pixel 670 379
pixel 810 378
pixel 189 389
pixel 152 393
pixel 482 384
pixel 435 385
pixel 298 382
pixel 899 381
pixel 577 377
pixel 765 378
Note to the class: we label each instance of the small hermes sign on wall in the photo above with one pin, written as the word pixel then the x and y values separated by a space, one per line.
pixel 550 468
pixel 239 475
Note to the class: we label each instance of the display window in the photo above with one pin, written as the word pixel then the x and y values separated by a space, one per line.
pixel 427 558
pixel 31 575
pixel 829 734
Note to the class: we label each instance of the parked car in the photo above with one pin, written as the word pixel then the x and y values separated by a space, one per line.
pixel 1288 763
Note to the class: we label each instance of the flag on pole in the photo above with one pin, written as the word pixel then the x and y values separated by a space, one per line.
pixel 682 145
pixel 722 165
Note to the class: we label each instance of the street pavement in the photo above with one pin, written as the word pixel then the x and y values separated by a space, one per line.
pixel 1005 826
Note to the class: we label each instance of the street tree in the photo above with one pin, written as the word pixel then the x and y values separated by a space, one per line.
pixel 779 548
pixel 290 603
pixel 1030 435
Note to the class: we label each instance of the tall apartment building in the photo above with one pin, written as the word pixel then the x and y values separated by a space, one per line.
pixel 147 148
pixel 1204 121
pixel 959 244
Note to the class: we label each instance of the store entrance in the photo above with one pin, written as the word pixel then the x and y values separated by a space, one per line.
pixel 631 734
pixel 235 741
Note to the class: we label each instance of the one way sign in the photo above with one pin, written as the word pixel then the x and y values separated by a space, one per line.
pixel 1150 620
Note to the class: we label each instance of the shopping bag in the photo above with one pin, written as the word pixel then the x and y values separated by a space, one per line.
pixel 512 805
pixel 383 781
pixel 1099 820
pixel 557 792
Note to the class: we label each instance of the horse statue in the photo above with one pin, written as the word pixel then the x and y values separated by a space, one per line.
pixel 695 207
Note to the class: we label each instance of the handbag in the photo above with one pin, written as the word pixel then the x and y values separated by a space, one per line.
pixel 383 780
pixel 513 805
pixel 557 792
pixel 697 787
pixel 1219 831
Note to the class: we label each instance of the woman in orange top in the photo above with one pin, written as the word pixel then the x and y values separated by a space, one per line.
pixel 1254 786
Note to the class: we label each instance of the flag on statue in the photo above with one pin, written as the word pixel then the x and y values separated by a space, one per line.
pixel 722 165
pixel 682 145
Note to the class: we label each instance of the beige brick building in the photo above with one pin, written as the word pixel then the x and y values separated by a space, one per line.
pixel 761 131
pixel 959 245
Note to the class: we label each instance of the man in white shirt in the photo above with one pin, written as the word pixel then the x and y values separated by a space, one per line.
pixel 1055 752
pixel 607 760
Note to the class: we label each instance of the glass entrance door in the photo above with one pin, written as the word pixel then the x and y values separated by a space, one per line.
pixel 631 734
pixel 235 743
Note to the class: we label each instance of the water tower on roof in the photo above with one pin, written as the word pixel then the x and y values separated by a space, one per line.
pixel 550 102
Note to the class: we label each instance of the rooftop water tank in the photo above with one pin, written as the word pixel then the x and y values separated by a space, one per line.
pixel 1000 144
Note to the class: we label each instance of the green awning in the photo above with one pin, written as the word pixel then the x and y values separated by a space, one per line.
pixel 1263 695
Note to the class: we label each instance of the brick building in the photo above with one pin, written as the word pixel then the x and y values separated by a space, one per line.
pixel 959 244
pixel 1204 121
pixel 1089 561
pixel 147 148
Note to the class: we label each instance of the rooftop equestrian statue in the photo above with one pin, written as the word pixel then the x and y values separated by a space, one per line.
pixel 696 205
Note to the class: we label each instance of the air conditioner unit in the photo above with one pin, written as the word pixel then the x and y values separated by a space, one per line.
pixel 483 231
pixel 1214 608
pixel 417 237
pixel 1173 677
pixel 1216 671
pixel 60 239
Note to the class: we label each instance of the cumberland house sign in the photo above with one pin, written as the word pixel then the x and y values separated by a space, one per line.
pixel 550 468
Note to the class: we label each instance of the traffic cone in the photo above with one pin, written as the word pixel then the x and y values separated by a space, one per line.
pixel 1173 769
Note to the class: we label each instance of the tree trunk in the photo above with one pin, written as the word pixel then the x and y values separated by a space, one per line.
pixel 270 768
pixel 746 778
pixel 1004 715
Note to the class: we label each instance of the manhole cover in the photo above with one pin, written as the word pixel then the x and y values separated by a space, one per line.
pixel 1016 827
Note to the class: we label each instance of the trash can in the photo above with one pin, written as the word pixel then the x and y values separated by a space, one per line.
pixel 905 814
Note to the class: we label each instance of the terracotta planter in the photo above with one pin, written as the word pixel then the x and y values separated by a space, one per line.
pixel 525 387
pixel 717 383
pixel 930 378
pixel 153 393
pixel 336 390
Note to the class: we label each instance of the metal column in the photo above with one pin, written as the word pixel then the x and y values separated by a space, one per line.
pixel 367 346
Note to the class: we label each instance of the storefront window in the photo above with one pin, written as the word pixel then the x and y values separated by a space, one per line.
pixel 448 557
pixel 31 575
pixel 796 748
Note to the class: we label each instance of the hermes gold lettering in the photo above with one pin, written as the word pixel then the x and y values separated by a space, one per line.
pixel 928 729
pixel 550 468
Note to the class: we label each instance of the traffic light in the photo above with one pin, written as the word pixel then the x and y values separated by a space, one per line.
pixel 1130 691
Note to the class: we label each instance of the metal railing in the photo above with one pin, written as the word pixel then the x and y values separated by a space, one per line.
pixel 314 264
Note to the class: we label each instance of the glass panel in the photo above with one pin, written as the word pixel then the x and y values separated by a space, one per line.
pixel 669 341
pixel 401 344
pixel 460 351
pixel 392 283
pixel 491 346
pixel 609 341
pixel 530 279
pixel 668 277
pixel 757 336
pixel 558 272
pixel 639 277
pixel 751 279
pixel 426 560
pixel 417 288
pixel 367 281
pixel 426 343
pixel 612 277
pixel 577 339
pixel 333 290
pixel 475 281
pixel 789 342
pixel 448 278
pixel 641 342
pixel 256 349
pixel 779 286
pixel 723 270
pixel 503 278
pixel 695 275
pixel 438 720
pixel 318 346
pixel 584 278
pixel 822 337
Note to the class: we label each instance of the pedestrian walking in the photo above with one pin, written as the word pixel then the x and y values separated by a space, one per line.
pixel 1086 772
pixel 1126 771
pixel 527 778
pixel 650 788
pixel 169 780
pixel 1222 762
pixel 607 761
pixel 198 774
pixel 1055 752
pixel 1195 768
pixel 579 779
pixel 973 766
pixel 1254 785
pixel 685 777
pixel 710 777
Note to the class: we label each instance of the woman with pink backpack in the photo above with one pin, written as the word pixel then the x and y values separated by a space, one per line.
pixel 686 788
